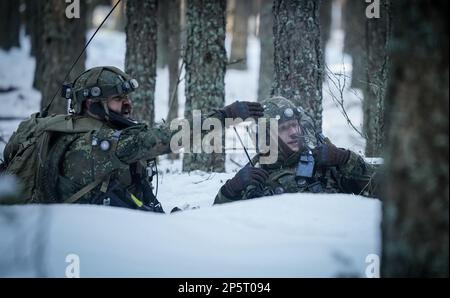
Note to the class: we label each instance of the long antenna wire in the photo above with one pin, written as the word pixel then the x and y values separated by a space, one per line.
pixel 243 146
pixel 45 111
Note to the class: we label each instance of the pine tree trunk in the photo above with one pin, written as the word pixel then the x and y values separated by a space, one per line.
pixel 9 24
pixel 33 24
pixel 205 61
pixel 354 21
pixel 140 59
pixel 163 34
pixel 325 28
pixel 174 49
pixel 60 42
pixel 377 38
pixel 298 55
pixel 238 53
pixel 36 38
pixel 325 12
pixel 416 204
pixel 266 55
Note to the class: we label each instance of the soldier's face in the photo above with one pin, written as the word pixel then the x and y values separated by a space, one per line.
pixel 121 105
pixel 289 132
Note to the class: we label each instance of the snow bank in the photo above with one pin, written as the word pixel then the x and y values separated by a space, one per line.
pixel 297 235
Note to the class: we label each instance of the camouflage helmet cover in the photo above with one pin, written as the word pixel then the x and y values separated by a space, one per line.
pixel 100 83
pixel 283 110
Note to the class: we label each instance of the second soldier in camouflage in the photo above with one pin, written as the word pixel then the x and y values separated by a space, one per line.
pixel 332 169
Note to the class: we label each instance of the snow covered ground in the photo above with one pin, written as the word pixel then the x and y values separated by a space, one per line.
pixel 285 236
pixel 290 235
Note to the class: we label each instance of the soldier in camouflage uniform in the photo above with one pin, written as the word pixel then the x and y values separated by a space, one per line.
pixel 300 150
pixel 111 164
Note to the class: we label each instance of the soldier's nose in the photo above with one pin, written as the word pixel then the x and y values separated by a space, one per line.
pixel 293 132
pixel 126 101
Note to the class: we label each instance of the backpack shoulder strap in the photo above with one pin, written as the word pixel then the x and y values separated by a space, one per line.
pixel 71 124
pixel 76 196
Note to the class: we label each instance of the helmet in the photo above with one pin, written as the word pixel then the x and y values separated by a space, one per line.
pixel 280 108
pixel 98 84
pixel 283 110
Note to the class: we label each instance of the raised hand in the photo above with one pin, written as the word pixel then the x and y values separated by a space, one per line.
pixel 243 110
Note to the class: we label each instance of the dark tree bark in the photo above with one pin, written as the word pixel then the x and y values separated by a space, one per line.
pixel 377 38
pixel 266 55
pixel 205 61
pixel 354 22
pixel 61 40
pixel 325 21
pixel 26 15
pixel 416 204
pixel 298 55
pixel 140 59
pixel 173 55
pixel 33 25
pixel 238 53
pixel 325 11
pixel 162 45
pixel 9 24
pixel 36 34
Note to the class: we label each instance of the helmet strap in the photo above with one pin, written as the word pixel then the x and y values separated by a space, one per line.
pixel 70 110
pixel 105 108
pixel 101 110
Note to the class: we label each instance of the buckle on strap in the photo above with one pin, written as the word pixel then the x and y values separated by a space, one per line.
pixel 75 197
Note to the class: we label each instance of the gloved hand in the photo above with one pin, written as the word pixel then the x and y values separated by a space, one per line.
pixel 243 110
pixel 328 155
pixel 245 177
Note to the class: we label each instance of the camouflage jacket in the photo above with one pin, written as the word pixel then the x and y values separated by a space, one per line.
pixel 76 160
pixel 104 154
pixel 355 177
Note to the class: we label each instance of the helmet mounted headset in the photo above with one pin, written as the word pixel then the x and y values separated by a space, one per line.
pixel 99 84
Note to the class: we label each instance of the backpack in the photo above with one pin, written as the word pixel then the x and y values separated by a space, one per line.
pixel 27 150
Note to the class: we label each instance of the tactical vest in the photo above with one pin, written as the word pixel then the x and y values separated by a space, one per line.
pixel 282 178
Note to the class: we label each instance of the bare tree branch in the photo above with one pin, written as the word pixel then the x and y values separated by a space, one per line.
pixel 174 91
pixel 340 85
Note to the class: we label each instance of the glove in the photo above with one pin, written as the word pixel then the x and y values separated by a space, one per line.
pixel 243 110
pixel 245 177
pixel 328 155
